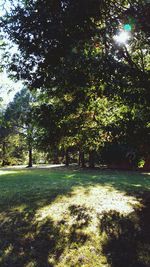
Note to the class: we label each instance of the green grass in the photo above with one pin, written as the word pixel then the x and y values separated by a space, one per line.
pixel 74 218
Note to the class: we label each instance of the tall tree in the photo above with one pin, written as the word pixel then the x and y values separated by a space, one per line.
pixel 68 49
pixel 4 134
pixel 20 115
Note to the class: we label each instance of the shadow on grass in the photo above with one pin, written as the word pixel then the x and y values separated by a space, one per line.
pixel 81 220
pixel 43 186
pixel 25 243
pixel 127 238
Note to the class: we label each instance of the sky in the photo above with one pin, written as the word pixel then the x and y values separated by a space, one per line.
pixel 8 88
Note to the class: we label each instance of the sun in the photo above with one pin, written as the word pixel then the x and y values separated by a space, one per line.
pixel 122 37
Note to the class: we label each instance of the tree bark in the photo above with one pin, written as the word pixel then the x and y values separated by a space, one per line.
pixel 67 157
pixel 3 154
pixel 81 159
pixel 30 157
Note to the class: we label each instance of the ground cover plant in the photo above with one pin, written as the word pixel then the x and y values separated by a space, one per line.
pixel 74 218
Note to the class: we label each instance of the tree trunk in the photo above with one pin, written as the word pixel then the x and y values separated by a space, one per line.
pixel 3 154
pixel 67 157
pixel 55 156
pixel 92 159
pixel 82 159
pixel 30 157
pixel 79 159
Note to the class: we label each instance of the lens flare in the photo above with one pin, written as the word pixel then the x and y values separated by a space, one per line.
pixel 127 27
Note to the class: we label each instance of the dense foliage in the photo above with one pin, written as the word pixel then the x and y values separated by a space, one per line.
pixel 91 90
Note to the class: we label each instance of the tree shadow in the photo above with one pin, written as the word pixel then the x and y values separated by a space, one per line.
pixel 81 220
pixel 26 242
pixel 22 241
pixel 42 188
pixel 127 238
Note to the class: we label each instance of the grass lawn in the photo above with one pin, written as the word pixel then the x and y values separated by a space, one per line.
pixel 74 218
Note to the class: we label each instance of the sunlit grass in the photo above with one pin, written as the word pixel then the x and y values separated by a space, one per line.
pixel 71 218
pixel 94 198
pixel 7 172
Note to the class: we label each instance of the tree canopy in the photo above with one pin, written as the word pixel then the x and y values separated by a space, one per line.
pixel 93 89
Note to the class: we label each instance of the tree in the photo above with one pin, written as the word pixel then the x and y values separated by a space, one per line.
pixel 4 133
pixel 72 54
pixel 19 114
